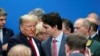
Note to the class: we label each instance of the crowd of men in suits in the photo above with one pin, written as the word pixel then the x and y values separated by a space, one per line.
pixel 50 35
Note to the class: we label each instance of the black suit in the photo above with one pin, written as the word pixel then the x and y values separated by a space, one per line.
pixel 22 39
pixel 7 34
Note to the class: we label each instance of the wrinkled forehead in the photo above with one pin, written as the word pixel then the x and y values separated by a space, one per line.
pixel 78 23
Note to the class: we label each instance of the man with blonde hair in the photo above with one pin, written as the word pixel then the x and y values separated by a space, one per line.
pixel 19 50
pixel 27 35
pixel 40 34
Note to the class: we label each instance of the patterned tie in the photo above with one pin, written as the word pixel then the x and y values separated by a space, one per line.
pixel 33 48
pixel 54 48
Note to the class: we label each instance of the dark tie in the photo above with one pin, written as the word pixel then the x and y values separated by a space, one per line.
pixel 54 48
pixel 33 48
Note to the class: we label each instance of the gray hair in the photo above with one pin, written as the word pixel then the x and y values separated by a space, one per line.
pixel 2 12
pixel 38 12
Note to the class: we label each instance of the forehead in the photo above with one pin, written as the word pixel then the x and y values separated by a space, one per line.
pixel 29 23
pixel 2 15
pixel 78 23
pixel 46 25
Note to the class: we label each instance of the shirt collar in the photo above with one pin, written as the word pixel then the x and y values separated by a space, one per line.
pixel 59 37
pixel 93 35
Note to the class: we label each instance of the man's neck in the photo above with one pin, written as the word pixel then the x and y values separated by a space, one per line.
pixel 56 33
pixel 91 33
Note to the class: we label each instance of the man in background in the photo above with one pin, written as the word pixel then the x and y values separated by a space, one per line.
pixel 39 12
pixel 73 48
pixel 67 26
pixel 83 26
pixel 5 33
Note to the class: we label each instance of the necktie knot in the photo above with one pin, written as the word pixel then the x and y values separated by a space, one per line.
pixel 54 41
pixel 30 39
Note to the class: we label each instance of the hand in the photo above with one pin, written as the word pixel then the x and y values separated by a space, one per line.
pixel 4 47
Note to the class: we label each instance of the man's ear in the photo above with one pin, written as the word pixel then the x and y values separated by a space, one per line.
pixel 67 50
pixel 20 27
pixel 87 52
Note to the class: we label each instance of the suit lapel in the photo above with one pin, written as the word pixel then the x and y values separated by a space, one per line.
pixel 62 45
pixel 49 45
pixel 5 35
pixel 24 39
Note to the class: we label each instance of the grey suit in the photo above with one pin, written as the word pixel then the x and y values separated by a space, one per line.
pixel 46 45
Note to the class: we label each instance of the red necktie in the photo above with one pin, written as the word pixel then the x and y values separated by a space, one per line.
pixel 54 48
pixel 33 48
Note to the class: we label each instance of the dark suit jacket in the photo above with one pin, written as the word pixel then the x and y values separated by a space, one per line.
pixel 97 36
pixel 46 45
pixel 22 39
pixel 7 34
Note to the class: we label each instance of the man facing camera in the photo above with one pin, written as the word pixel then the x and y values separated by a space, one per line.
pixel 27 35
pixel 5 33
pixel 55 44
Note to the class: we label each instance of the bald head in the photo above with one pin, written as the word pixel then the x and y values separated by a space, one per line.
pixel 82 26
pixel 83 22
pixel 93 15
pixel 93 20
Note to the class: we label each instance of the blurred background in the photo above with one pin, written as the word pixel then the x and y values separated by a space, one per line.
pixel 70 9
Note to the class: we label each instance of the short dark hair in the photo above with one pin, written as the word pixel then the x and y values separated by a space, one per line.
pixel 76 41
pixel 94 25
pixel 53 19
pixel 68 24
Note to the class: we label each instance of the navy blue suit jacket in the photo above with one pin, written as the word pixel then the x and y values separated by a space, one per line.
pixel 22 39
pixel 7 34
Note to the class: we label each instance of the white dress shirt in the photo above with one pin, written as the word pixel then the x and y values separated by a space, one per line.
pixel 1 35
pixel 58 38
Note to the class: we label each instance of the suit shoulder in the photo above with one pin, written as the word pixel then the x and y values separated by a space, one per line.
pixel 43 42
pixel 46 41
pixel 92 42
pixel 96 42
pixel 8 29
